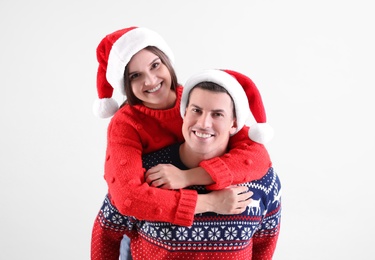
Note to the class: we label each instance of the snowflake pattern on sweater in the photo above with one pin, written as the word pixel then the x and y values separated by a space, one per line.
pixel 215 232
pixel 211 235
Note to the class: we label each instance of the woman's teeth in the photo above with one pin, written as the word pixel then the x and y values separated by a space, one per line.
pixel 154 89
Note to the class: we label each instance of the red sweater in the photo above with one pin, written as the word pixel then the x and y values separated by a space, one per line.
pixel 137 130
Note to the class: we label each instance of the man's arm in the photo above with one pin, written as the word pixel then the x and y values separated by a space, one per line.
pixel 265 238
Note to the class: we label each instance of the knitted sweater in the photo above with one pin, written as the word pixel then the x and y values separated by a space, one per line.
pixel 137 130
pixel 250 235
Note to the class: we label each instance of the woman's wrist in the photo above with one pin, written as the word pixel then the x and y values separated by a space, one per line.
pixel 198 176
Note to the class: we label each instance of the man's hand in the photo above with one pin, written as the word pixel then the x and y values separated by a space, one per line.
pixel 231 200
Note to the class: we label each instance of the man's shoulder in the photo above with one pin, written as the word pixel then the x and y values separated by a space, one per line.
pixel 267 184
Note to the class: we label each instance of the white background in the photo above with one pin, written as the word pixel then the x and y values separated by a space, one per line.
pixel 313 62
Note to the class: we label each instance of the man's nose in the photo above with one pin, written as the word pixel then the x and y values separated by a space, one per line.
pixel 204 121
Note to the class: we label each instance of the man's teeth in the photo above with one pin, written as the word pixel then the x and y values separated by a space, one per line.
pixel 154 89
pixel 202 135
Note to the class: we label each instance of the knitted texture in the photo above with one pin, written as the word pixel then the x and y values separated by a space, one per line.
pixel 250 235
pixel 137 130
pixel 105 238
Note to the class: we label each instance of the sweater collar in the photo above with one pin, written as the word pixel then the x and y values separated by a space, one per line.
pixel 163 113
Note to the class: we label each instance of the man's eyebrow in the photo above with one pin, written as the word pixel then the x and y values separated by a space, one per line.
pixel 196 106
pixel 219 110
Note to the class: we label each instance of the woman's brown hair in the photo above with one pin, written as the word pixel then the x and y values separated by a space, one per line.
pixel 131 99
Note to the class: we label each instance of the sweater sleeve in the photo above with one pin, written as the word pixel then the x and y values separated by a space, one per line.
pixel 129 192
pixel 265 238
pixel 264 247
pixel 246 161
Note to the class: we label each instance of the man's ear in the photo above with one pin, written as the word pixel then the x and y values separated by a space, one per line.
pixel 233 129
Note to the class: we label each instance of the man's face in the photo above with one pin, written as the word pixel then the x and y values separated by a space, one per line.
pixel 208 122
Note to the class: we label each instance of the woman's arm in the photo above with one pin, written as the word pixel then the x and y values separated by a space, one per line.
pixel 124 175
pixel 245 161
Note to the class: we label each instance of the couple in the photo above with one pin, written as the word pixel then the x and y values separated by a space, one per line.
pixel 165 222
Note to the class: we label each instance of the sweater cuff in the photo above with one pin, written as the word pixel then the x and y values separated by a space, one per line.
pixel 219 173
pixel 186 208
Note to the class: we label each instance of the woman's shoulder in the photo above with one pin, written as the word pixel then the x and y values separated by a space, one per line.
pixel 124 120
pixel 124 113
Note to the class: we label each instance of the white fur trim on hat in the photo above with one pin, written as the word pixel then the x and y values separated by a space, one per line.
pixel 124 49
pixel 105 107
pixel 229 83
pixel 261 133
pixel 246 97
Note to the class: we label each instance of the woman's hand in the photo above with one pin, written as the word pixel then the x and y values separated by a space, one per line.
pixel 167 176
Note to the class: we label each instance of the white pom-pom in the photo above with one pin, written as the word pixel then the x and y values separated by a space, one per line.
pixel 105 107
pixel 261 133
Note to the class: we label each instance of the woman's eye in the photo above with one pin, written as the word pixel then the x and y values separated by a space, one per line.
pixel 155 65
pixel 134 76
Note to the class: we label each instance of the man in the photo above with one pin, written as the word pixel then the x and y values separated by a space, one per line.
pixel 212 112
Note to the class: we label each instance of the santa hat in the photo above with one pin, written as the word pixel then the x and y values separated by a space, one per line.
pixel 113 53
pixel 246 98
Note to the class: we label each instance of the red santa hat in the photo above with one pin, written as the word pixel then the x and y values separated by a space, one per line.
pixel 113 53
pixel 246 97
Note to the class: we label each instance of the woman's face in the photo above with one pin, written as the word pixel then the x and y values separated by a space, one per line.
pixel 150 80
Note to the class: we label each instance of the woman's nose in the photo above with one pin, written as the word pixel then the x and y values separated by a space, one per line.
pixel 150 79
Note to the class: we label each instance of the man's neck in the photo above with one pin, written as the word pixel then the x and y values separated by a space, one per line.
pixel 191 159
